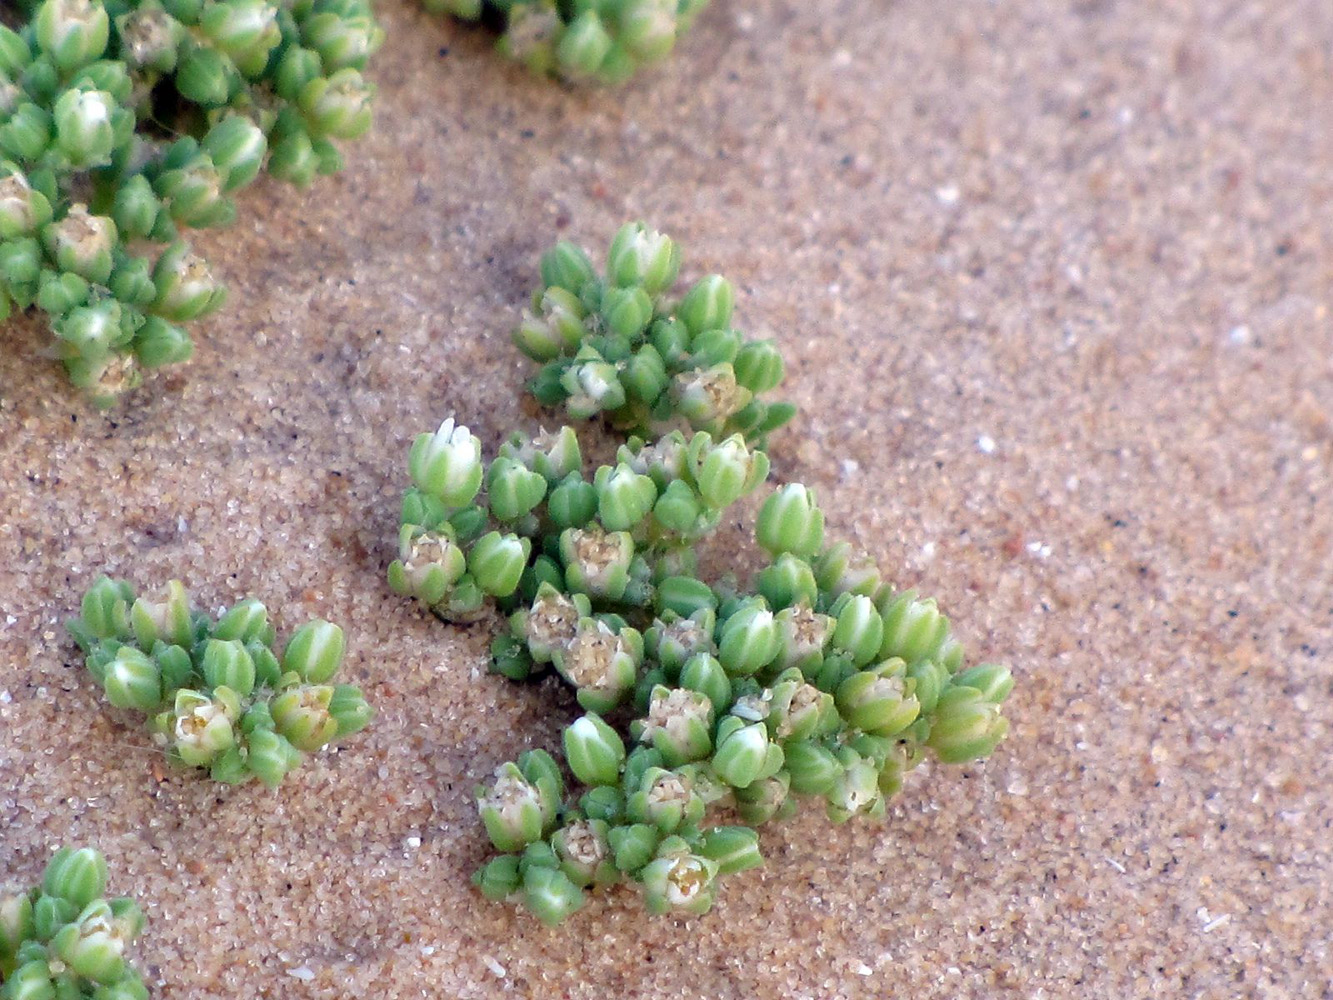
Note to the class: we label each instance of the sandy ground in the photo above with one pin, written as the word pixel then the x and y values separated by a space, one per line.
pixel 1053 281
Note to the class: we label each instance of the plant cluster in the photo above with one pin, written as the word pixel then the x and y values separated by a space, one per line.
pixel 820 681
pixel 217 694
pixel 604 41
pixel 622 346
pixel 124 123
pixel 61 940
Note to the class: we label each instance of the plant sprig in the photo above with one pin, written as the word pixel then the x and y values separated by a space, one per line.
pixel 217 694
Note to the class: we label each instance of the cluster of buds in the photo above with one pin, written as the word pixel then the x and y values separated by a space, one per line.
pixel 604 41
pixel 217 693
pixel 125 122
pixel 822 683
pixel 531 534
pixel 62 940
pixel 624 347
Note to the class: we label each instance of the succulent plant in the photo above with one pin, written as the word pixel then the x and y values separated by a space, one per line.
pixel 603 41
pixel 218 694
pixel 821 682
pixel 62 939
pixel 621 346
pixel 124 123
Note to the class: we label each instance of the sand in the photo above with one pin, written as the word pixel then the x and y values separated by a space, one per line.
pixel 1053 281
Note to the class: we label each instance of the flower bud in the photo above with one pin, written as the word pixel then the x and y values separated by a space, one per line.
pixel 293 159
pixel 840 570
pixel 591 385
pixel 716 347
pixel 236 146
pixel 94 945
pixel 132 680
pixel 227 663
pixel 270 757
pixel 186 288
pixel 496 562
pixel 856 790
pixel 624 497
pixel 913 629
pixel 14 52
pixel 32 980
pixel 665 800
pixel 512 490
pixel 167 618
pixel 550 895
pixel 684 595
pixel 23 209
pixel 498 879
pixel 788 582
pixel 644 376
pixel 929 679
pixel 594 751
pixel 193 194
pixel 648 28
pixel 626 313
pixel 84 128
pixel 993 680
pixel 790 521
pixel 749 640
pixel 707 397
pixel 644 257
pixel 27 133
pixel 244 621
pixel 966 726
pixel 82 244
pixel 76 876
pixel 583 45
pixel 799 710
pixel 201 727
pixel 149 38
pixel 337 106
pixel 758 366
pixel 678 879
pixel 703 673
pixel 447 464
pixel 301 716
pixel 71 33
pixel 135 208
pixel 877 700
pixel 314 652
pixel 520 805
pixel 16 925
pixel 601 664
pixel 343 39
pixel 726 471
pixel 597 562
pixel 744 754
pixel 566 266
pixel 859 629
pixel 429 564
pixel 732 848
pixel 707 305
pixel 762 800
pixel 349 709
pixel 813 767
pixel 573 503
pixel 105 612
pixel 679 725
pixel 245 30
pixel 583 853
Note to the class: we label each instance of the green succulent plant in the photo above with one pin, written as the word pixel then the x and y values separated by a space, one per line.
pixel 602 41
pixel 62 939
pixel 126 123
pixel 218 694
